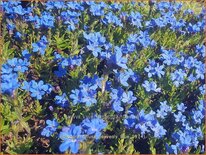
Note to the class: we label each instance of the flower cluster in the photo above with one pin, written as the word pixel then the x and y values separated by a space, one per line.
pixel 87 91
pixel 50 128
pixel 73 135
pixel 137 68
pixel 144 123
pixel 9 71
pixel 37 89
pixel 40 46
pixel 66 63
pixel 188 135
pixel 61 100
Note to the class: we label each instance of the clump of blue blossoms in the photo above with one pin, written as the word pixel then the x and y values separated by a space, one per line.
pixel 154 69
pixel 95 41
pixel 10 73
pixel 164 110
pixel 62 100
pixel 144 123
pixel 151 86
pixel 71 137
pixel 88 77
pixel 178 77
pixel 37 89
pixel 40 46
pixel 50 128
pixel 87 91
pixel 94 126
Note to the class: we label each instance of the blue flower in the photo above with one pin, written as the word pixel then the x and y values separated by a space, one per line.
pixel 130 121
pixel 61 100
pixel 118 59
pixel 75 6
pixel 94 48
pixel 197 116
pixel 156 22
pixel 154 69
pixel 159 131
pixel 142 127
pixel 178 77
pixel 116 6
pixel 186 138
pixel 123 77
pixel 171 149
pixel 132 38
pixel 145 117
pixel 202 89
pixel 131 118
pixel 164 109
pixel 141 40
pixel 26 54
pixel 147 123
pixel 151 86
pixel 117 106
pixel 144 40
pixel 50 128
pixel 37 89
pixel 6 69
pixel 18 65
pixel 116 97
pixel 64 63
pixel 21 66
pixel 75 61
pixel 17 35
pixel 71 19
pixel 96 42
pixel 191 78
pixel 159 71
pixel 71 137
pixel 93 82
pixel 95 38
pixel 116 94
pixel 76 96
pixel 190 62
pixel 40 46
pixel 57 56
pixel 9 83
pixel 136 19
pixel 19 10
pixel 87 91
pixel 128 97
pixel 110 18
pixel 200 70
pixel 181 107
pixel 144 123
pixel 46 20
pixel 94 126
pixel 179 117
pixel 128 48
pixel 60 72
pixel 169 57
pixel 97 9
pixel 9 77
pixel 11 26
pixel 89 97
pixel 54 5
pixel 200 49
pixel 193 28
pixel 178 25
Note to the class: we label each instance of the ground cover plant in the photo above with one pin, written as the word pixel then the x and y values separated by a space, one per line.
pixel 102 77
